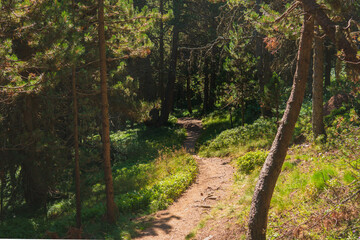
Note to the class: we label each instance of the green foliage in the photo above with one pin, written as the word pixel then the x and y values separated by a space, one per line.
pixel 140 144
pixel 213 125
pixel 303 128
pixel 23 228
pixel 132 177
pixel 288 166
pixel 166 191
pixel 59 208
pixel 321 177
pixel 154 194
pixel 317 183
pixel 247 163
pixel 149 172
pixel 258 134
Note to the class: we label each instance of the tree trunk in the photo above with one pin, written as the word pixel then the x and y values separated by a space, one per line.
pixel 111 209
pixel 167 104
pixel 317 89
pixel 242 112
pixel 212 87
pixel 35 185
pixel 328 66
pixel 161 52
pixel 206 88
pixel 272 166
pixel 259 49
pixel 337 37
pixel 76 149
pixel 188 88
pixel 2 182
pixel 338 69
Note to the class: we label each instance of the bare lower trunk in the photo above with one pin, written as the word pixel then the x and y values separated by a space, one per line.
pixel 213 76
pixel 272 166
pixel 328 66
pixel 167 103
pixel 338 69
pixel 317 90
pixel 2 182
pixel 242 112
pixel 111 209
pixel 206 89
pixel 34 182
pixel 76 149
pixel 188 91
pixel 161 52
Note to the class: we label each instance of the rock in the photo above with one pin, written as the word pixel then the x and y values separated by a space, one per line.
pixel 335 102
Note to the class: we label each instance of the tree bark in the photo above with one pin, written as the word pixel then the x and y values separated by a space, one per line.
pixel 167 104
pixel 338 38
pixel 317 89
pixel 328 65
pixel 206 88
pixel 272 166
pixel 338 69
pixel 2 182
pixel 161 52
pixel 259 49
pixel 188 88
pixel 76 150
pixel 212 87
pixel 111 209
pixel 35 185
pixel 263 70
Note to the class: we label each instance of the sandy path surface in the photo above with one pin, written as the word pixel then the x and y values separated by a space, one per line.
pixel 212 184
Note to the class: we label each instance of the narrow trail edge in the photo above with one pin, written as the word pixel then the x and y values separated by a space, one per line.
pixel 211 185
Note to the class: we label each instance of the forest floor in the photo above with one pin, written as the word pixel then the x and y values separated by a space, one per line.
pixel 213 184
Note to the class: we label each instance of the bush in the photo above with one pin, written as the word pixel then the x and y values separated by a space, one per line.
pixel 261 129
pixel 321 177
pixel 248 162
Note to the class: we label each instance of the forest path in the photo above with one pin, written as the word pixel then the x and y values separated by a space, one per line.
pixel 211 185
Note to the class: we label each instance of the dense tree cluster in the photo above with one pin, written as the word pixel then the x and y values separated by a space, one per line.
pixel 74 70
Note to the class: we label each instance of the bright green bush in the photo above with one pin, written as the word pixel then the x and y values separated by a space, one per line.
pixel 241 136
pixel 132 177
pixel 250 161
pixel 321 177
pixel 162 193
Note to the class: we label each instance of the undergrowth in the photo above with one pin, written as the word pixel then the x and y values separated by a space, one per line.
pixel 317 195
pixel 239 140
pixel 150 170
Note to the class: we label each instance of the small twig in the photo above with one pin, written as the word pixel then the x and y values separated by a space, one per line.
pixel 287 12
pixel 349 24
pixel 203 206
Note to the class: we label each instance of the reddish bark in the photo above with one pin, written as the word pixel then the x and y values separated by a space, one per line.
pixel 111 209
pixel 272 166
pixel 76 149
pixel 329 28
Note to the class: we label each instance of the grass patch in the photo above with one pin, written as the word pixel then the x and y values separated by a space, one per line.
pixel 247 163
pixel 317 193
pixel 241 139
pixel 150 170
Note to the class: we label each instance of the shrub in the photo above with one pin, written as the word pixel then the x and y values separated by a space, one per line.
pixel 241 136
pixel 249 161
pixel 321 177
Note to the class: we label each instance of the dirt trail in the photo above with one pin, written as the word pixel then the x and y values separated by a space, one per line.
pixel 212 184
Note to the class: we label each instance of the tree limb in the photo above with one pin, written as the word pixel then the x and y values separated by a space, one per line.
pixel 329 27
